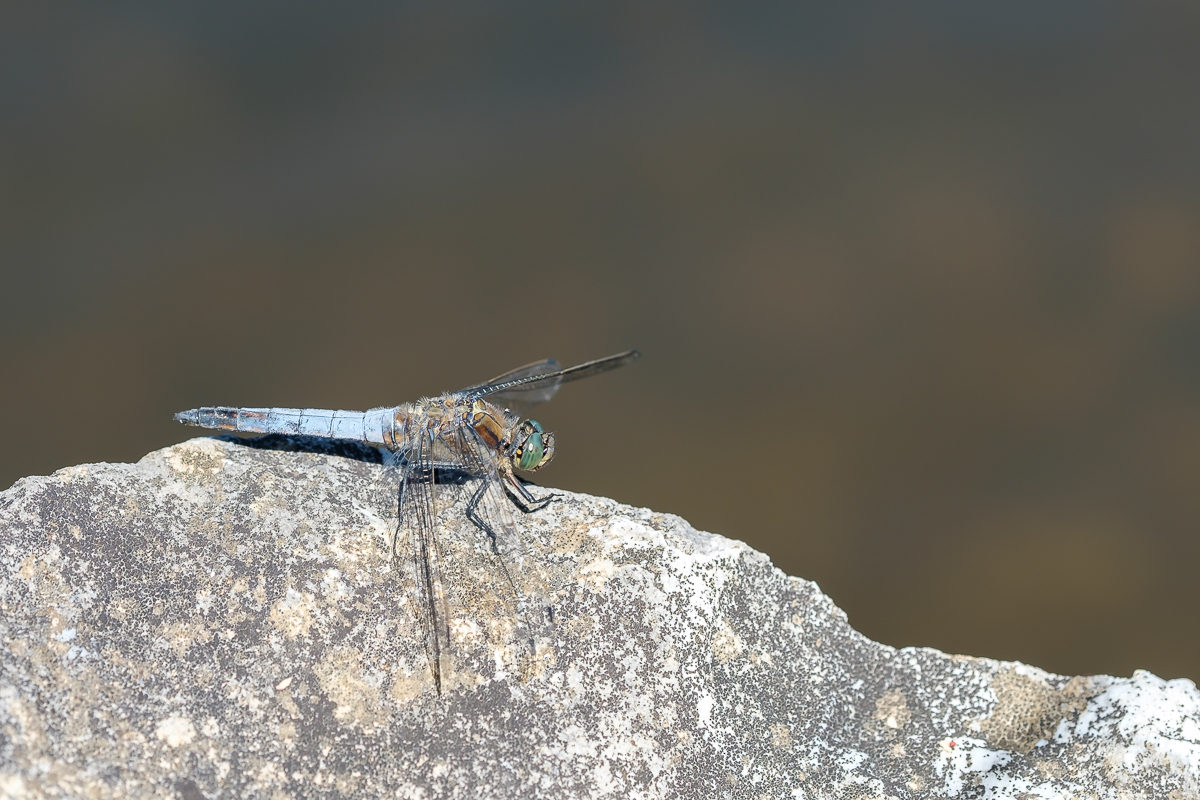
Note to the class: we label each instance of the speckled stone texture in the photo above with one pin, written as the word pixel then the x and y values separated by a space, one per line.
pixel 224 619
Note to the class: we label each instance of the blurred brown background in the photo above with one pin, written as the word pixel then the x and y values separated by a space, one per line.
pixel 918 287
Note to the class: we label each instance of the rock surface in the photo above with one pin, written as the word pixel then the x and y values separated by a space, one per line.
pixel 225 619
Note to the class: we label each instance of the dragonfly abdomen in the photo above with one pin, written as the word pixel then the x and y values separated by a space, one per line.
pixel 377 426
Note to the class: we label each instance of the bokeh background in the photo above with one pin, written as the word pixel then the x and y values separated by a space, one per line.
pixel 917 285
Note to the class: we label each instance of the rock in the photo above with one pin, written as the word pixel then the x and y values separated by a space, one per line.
pixel 224 618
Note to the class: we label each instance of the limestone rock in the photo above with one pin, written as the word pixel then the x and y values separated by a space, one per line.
pixel 225 618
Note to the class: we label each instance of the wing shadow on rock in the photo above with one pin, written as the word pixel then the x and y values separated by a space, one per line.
pixel 340 448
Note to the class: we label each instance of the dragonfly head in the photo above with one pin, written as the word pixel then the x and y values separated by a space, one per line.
pixel 532 447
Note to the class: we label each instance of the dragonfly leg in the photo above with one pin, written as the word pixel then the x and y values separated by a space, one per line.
pixel 473 515
pixel 523 499
pixel 538 505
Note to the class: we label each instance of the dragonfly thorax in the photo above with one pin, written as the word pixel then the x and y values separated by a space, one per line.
pixel 526 443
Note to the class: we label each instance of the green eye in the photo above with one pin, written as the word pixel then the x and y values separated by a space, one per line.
pixel 533 449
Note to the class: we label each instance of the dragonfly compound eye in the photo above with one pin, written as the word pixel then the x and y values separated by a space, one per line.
pixel 535 447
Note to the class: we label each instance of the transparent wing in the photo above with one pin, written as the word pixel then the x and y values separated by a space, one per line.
pixel 418 517
pixel 537 382
pixel 527 393
pixel 520 584
pixel 491 574
pixel 543 367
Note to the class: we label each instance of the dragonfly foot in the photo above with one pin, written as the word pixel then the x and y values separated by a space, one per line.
pixel 538 505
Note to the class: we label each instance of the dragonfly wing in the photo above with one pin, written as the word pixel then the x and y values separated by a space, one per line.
pixel 521 585
pixel 546 365
pixel 418 515
pixel 526 390
pixel 539 381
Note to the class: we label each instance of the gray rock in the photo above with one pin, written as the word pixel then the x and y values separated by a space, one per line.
pixel 224 619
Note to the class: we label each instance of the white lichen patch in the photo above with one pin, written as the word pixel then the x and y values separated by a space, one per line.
pixel 962 761
pixel 1155 719
pixel 175 731
pixel 199 456
pixel 597 573
pixel 892 710
pixel 335 590
pixel 204 601
pixel 274 516
pixel 704 710
pixel 244 694
pixel 726 644
pixel 72 474
pixel 294 613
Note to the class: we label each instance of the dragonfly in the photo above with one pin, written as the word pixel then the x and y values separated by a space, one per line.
pixel 467 437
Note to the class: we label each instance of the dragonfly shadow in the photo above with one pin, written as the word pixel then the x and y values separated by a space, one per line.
pixel 345 448
pixel 342 448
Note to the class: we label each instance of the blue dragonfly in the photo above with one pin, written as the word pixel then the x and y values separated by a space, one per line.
pixel 470 435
